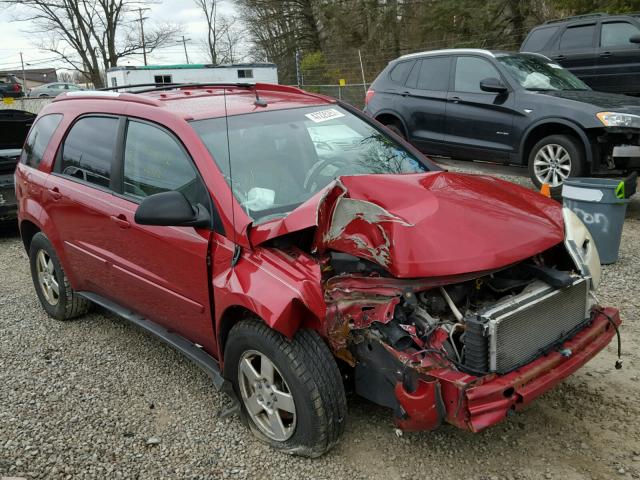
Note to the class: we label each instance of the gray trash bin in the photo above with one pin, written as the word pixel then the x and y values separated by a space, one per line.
pixel 601 204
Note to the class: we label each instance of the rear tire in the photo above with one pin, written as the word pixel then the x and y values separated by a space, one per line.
pixel 52 286
pixel 554 159
pixel 396 128
pixel 298 380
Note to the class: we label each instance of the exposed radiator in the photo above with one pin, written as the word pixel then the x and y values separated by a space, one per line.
pixel 518 329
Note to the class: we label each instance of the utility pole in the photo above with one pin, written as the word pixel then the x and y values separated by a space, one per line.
pixel 364 82
pixel 24 76
pixel 184 44
pixel 141 20
pixel 24 82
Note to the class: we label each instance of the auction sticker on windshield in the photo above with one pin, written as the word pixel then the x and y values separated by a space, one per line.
pixel 324 115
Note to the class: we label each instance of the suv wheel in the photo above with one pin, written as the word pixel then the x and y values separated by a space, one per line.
pixel 554 159
pixel 397 129
pixel 52 285
pixel 291 391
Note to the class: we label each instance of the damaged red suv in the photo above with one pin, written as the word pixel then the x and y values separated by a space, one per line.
pixel 294 248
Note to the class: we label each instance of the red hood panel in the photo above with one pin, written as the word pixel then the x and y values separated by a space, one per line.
pixel 423 225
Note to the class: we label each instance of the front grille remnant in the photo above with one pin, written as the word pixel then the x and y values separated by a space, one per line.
pixel 520 328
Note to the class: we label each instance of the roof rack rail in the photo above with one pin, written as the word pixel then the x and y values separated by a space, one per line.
pixel 151 87
pixel 176 86
pixel 578 17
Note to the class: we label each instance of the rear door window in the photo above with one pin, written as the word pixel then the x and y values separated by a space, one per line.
pixel 617 34
pixel 434 74
pixel 88 152
pixel 578 37
pixel 538 39
pixel 470 71
pixel 38 139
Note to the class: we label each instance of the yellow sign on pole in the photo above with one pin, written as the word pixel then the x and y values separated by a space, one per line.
pixel 342 82
pixel 7 100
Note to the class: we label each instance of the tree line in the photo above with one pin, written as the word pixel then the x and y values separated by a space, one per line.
pixel 330 36
pixel 316 41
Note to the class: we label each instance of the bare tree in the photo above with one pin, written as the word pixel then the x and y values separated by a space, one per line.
pixel 91 36
pixel 222 38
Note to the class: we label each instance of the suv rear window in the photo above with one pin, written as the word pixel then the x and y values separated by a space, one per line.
pixel 89 150
pixel 38 139
pixel 577 37
pixel 538 39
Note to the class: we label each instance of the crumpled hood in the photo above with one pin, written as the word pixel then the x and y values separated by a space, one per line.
pixel 431 224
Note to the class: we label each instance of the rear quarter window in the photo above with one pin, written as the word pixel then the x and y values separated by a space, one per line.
pixel 538 39
pixel 399 72
pixel 39 138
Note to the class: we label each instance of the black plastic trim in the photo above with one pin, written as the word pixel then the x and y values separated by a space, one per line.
pixel 198 356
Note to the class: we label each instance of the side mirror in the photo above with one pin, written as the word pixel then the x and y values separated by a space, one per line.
pixel 635 38
pixel 171 209
pixel 492 85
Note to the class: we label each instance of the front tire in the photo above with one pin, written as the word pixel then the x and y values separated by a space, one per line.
pixel 291 391
pixel 52 286
pixel 553 160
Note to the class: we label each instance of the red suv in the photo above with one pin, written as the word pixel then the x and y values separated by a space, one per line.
pixel 294 248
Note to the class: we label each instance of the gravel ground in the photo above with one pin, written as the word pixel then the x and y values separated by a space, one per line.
pixel 97 398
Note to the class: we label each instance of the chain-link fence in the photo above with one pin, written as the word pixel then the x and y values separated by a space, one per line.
pixel 352 93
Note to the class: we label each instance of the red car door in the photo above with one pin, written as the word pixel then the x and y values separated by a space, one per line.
pixel 161 272
pixel 78 201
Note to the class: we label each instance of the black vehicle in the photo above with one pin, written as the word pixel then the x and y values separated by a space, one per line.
pixel 10 86
pixel 14 127
pixel 512 108
pixel 602 50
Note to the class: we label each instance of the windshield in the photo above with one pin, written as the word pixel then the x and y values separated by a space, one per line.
pixel 537 74
pixel 279 159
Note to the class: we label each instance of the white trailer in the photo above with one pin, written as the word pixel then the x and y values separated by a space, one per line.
pixel 193 73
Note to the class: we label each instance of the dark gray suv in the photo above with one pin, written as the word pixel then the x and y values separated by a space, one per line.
pixel 506 107
pixel 602 50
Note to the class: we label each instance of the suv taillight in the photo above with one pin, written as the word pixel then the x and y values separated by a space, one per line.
pixel 17 87
pixel 369 96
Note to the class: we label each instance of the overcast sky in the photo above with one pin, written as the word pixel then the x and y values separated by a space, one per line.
pixel 16 37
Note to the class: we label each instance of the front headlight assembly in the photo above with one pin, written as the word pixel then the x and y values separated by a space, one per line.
pixel 615 119
pixel 581 247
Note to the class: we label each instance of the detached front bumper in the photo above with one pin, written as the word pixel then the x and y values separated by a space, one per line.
pixel 475 403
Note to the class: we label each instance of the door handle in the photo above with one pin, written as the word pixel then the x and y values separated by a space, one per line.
pixel 454 99
pixel 55 193
pixel 120 220
pixel 605 54
pixel 559 57
pixel 405 94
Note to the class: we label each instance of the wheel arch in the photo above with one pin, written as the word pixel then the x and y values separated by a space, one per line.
pixel 287 322
pixel 553 126
pixel 28 229
pixel 389 116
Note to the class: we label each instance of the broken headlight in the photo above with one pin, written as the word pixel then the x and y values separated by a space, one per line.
pixel 581 247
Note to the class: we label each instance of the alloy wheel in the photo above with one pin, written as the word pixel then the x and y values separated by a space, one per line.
pixel 266 396
pixel 552 164
pixel 47 277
